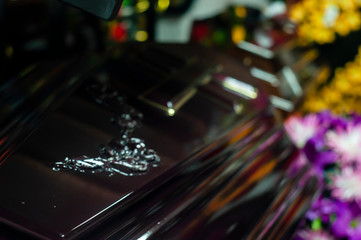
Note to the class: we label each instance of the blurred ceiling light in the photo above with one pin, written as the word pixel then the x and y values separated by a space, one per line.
pixel 142 6
pixel 240 12
pixel 141 36
pixel 162 5
pixel 238 34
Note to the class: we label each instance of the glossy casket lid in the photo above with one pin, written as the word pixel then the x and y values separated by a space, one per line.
pixel 223 157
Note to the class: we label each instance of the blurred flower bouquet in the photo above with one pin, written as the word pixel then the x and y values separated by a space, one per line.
pixel 332 145
pixel 320 21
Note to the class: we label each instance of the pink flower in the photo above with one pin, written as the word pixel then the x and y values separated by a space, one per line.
pixel 314 235
pixel 300 130
pixel 346 186
pixel 346 142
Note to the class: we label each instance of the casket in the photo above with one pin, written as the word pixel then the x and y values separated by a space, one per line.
pixel 147 141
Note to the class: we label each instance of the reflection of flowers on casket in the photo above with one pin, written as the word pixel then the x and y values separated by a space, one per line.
pixel 332 146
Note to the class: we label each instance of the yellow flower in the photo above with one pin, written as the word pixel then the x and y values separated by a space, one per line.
pixel 354 19
pixel 317 105
pixel 347 5
pixel 297 13
pixel 343 94
pixel 304 32
pixel 331 94
pixel 324 36
pixel 339 74
pixel 342 27
pixel 353 72
pixel 312 4
pixel 342 85
pixel 318 21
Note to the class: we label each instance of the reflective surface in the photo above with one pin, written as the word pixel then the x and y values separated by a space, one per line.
pixel 214 169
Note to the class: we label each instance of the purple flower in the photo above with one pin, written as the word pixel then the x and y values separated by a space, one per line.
pixel 329 121
pixel 308 134
pixel 347 219
pixel 317 153
pixel 354 233
pixel 332 145
pixel 343 216
pixel 326 117
pixel 322 209
pixel 355 118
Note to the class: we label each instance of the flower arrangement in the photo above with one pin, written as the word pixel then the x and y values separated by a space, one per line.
pixel 342 94
pixel 319 21
pixel 332 145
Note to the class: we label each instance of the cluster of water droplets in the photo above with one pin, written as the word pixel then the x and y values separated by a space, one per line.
pixel 125 155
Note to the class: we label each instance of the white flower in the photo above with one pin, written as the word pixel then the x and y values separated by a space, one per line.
pixel 300 130
pixel 346 143
pixel 347 185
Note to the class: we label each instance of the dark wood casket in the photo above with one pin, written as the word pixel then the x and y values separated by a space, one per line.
pixel 146 141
